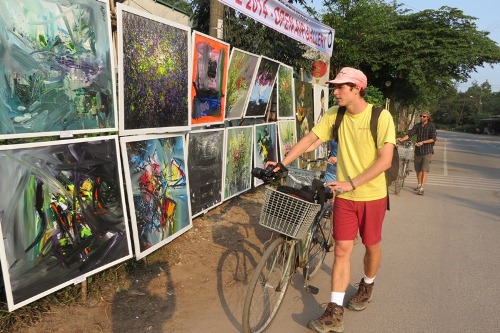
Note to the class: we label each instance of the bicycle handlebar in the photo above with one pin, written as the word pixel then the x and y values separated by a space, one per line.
pixel 268 174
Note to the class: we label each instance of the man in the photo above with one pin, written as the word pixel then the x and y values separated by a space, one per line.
pixel 362 202
pixel 424 148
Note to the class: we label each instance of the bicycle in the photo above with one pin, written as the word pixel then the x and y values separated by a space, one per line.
pixel 405 150
pixel 305 230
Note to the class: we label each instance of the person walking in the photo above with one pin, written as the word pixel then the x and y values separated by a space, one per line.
pixel 361 200
pixel 424 148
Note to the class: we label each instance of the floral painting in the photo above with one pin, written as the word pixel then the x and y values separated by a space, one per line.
pixel 286 92
pixel 153 67
pixel 287 138
pixel 304 114
pixel 265 146
pixel 262 88
pixel 56 69
pixel 238 167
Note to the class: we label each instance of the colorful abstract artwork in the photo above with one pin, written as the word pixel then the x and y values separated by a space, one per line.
pixel 154 73
pixel 157 189
pixel 287 138
pixel 262 88
pixel 242 68
pixel 238 167
pixel 265 146
pixel 320 102
pixel 56 69
pixel 304 114
pixel 62 212
pixel 209 81
pixel 205 168
pixel 286 92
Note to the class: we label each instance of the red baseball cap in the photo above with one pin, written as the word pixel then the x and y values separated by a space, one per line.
pixel 350 75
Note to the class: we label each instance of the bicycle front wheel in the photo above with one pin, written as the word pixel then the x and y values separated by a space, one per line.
pixel 405 171
pixel 398 184
pixel 320 244
pixel 268 286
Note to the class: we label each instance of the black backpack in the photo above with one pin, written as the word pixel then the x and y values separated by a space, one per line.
pixel 391 174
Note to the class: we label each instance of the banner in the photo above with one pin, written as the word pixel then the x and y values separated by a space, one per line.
pixel 288 20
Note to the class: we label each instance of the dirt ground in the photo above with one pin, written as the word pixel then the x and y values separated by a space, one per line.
pixel 207 267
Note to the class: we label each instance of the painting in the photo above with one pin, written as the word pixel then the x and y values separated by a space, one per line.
pixel 262 87
pixel 157 189
pixel 241 72
pixel 62 215
pixel 304 114
pixel 209 80
pixel 56 68
pixel 320 102
pixel 205 168
pixel 286 92
pixel 265 146
pixel 238 167
pixel 287 138
pixel 153 73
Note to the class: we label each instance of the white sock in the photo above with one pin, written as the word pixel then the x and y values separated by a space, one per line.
pixel 337 298
pixel 369 280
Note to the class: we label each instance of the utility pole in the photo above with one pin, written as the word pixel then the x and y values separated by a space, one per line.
pixel 216 19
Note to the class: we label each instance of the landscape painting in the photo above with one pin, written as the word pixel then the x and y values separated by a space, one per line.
pixel 286 92
pixel 62 212
pixel 287 138
pixel 205 168
pixel 238 167
pixel 153 73
pixel 56 68
pixel 265 146
pixel 157 189
pixel 262 87
pixel 209 80
pixel 241 72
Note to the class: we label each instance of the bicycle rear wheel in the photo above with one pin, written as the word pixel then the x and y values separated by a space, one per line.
pixel 398 184
pixel 320 244
pixel 268 286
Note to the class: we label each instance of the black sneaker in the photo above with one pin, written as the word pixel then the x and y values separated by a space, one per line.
pixel 330 321
pixel 362 298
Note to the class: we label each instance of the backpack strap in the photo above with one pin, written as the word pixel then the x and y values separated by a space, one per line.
pixel 376 111
pixel 338 120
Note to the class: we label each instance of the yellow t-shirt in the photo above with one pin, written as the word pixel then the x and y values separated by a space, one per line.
pixel 356 149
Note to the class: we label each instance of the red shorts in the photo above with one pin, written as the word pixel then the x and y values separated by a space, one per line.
pixel 366 216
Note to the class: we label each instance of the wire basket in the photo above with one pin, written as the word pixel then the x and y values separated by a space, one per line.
pixel 287 214
pixel 298 178
pixel 405 152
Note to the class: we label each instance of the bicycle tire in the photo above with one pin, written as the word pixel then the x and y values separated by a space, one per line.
pixel 405 172
pixel 268 286
pixel 320 244
pixel 398 184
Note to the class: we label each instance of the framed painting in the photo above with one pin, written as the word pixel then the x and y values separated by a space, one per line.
pixel 287 138
pixel 262 87
pixel 56 69
pixel 286 92
pixel 242 68
pixel 157 189
pixel 304 114
pixel 205 168
pixel 153 73
pixel 320 103
pixel 62 215
pixel 209 80
pixel 265 146
pixel 238 167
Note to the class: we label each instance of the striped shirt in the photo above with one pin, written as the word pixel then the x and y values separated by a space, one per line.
pixel 424 132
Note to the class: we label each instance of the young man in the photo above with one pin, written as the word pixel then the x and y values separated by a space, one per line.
pixel 424 148
pixel 362 200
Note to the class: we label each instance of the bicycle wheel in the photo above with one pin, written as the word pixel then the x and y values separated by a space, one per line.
pixel 268 286
pixel 405 172
pixel 320 244
pixel 398 184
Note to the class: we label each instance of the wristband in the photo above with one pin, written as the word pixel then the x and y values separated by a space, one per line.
pixel 352 184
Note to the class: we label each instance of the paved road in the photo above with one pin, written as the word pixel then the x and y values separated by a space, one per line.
pixel 441 261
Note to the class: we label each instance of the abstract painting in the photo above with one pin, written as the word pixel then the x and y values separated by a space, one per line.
pixel 238 167
pixel 320 101
pixel 241 72
pixel 209 80
pixel 153 73
pixel 157 189
pixel 287 138
pixel 304 113
pixel 56 68
pixel 262 88
pixel 286 92
pixel 265 146
pixel 205 168
pixel 63 216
